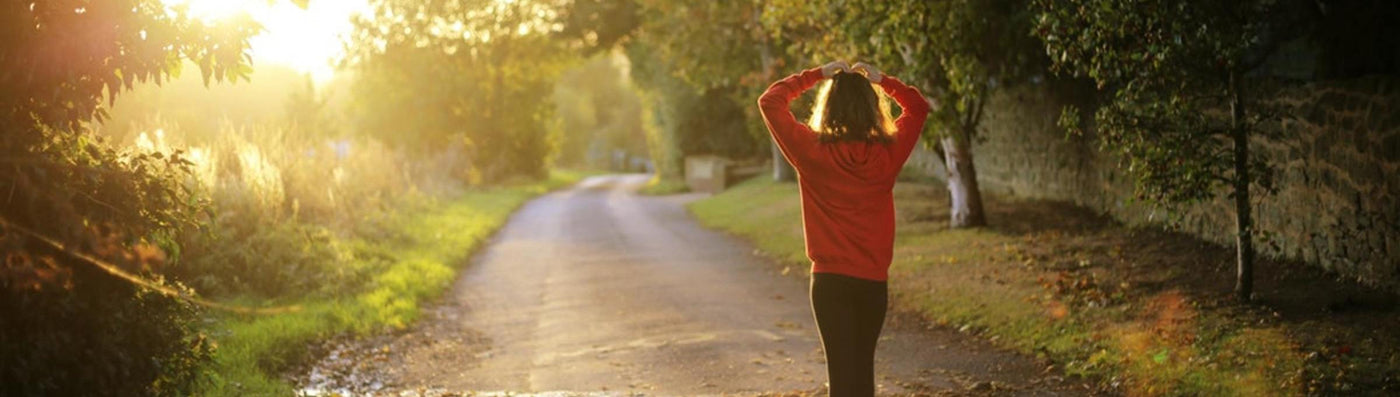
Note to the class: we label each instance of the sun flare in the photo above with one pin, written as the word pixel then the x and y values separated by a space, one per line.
pixel 215 9
pixel 308 40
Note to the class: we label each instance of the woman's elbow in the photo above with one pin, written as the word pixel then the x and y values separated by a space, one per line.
pixel 921 103
pixel 768 104
pixel 768 99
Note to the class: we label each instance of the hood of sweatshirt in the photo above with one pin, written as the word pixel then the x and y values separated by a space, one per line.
pixel 864 160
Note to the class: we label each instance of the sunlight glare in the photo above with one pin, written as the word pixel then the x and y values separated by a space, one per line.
pixel 215 9
pixel 307 40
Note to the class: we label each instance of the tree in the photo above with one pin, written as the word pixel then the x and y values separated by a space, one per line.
pixel 684 120
pixel 956 51
pixel 305 112
pixel 664 98
pixel 1177 110
pixel 598 112
pixel 85 228
pixel 474 72
pixel 720 46
pixel 185 101
pixel 593 26
pixel 718 49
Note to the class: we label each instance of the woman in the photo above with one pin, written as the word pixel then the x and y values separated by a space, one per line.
pixel 846 162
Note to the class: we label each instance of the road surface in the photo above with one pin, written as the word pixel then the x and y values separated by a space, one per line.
pixel 596 290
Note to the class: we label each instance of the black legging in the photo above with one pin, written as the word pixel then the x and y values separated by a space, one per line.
pixel 850 312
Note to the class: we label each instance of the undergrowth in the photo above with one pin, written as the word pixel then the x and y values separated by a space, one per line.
pixel 411 256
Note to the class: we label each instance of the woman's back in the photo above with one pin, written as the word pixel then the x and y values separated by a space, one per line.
pixel 846 162
pixel 847 205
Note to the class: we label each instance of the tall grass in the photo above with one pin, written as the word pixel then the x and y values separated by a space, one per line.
pixel 279 200
pixel 414 258
pixel 352 234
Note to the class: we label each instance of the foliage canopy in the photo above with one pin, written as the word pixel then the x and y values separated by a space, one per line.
pixel 472 73
pixel 62 61
pixel 1166 67
pixel 956 52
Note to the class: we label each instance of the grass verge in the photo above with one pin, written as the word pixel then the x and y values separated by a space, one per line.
pixel 1143 312
pixel 413 259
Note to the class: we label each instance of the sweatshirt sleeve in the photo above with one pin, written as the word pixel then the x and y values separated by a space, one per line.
pixel 795 139
pixel 910 124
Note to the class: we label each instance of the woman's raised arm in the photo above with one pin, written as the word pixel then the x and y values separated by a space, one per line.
pixel 793 137
pixel 914 113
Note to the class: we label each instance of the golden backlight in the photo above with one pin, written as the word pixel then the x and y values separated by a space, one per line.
pixel 307 40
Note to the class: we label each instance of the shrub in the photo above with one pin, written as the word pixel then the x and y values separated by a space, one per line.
pixel 67 326
pixel 103 336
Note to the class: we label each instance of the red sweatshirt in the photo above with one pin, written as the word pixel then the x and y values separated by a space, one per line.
pixel 847 199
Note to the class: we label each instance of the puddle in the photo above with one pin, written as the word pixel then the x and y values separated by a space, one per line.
pixel 350 368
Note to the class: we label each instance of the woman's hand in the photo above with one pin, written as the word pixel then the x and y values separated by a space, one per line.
pixel 871 73
pixel 830 69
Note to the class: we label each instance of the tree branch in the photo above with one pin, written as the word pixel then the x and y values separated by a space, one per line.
pixel 140 281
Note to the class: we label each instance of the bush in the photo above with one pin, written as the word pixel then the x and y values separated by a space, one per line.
pixel 279 200
pixel 266 259
pixel 103 336
pixel 68 327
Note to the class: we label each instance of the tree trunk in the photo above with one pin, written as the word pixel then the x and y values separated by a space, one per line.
pixel 1244 225
pixel 966 198
pixel 782 170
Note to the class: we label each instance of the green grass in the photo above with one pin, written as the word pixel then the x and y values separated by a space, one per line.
pixel 1045 291
pixel 416 262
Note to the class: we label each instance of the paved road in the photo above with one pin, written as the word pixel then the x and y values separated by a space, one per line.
pixel 596 290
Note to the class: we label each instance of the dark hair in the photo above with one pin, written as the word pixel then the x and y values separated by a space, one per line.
pixel 848 109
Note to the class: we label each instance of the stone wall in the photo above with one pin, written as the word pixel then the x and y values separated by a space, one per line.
pixel 1338 204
